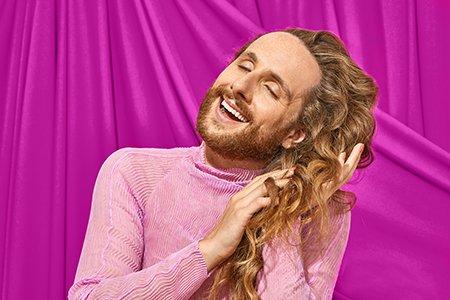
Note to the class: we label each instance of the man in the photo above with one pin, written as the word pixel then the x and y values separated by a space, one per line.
pixel 255 211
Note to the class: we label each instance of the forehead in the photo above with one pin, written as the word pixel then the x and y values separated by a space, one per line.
pixel 286 55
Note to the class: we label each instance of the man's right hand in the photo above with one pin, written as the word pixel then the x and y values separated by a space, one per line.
pixel 224 238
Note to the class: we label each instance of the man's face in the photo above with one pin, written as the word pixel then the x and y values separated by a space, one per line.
pixel 264 85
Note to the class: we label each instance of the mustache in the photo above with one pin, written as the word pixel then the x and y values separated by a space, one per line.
pixel 221 91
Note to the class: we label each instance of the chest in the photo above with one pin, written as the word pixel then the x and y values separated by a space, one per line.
pixel 181 209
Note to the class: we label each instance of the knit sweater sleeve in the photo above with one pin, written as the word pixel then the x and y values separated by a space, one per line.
pixel 284 275
pixel 110 265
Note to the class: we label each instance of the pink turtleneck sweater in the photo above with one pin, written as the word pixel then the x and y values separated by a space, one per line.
pixel 150 209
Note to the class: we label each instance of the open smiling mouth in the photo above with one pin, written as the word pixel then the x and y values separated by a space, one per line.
pixel 232 113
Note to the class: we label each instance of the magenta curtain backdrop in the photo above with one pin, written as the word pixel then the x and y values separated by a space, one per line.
pixel 80 79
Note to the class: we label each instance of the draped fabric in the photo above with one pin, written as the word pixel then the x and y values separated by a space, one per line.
pixel 80 79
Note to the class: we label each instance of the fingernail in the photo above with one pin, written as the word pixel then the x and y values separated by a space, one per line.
pixel 290 172
pixel 361 148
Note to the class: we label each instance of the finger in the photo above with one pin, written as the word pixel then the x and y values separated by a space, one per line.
pixel 341 158
pixel 282 182
pixel 348 168
pixel 354 155
pixel 352 162
pixel 278 174
pixel 328 185
pixel 261 191
pixel 257 204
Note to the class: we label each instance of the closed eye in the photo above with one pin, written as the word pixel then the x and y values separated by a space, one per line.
pixel 244 68
pixel 246 65
pixel 271 91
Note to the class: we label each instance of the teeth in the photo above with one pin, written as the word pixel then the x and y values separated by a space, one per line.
pixel 234 112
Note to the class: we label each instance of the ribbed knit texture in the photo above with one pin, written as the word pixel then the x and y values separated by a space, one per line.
pixel 150 209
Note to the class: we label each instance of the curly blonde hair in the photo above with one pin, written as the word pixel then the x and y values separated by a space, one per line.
pixel 337 115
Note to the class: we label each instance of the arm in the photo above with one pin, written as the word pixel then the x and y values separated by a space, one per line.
pixel 284 276
pixel 111 260
pixel 323 271
pixel 289 274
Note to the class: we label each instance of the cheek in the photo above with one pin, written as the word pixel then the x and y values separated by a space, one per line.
pixel 266 105
pixel 268 112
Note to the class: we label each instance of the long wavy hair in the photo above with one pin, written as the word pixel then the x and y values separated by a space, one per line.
pixel 337 114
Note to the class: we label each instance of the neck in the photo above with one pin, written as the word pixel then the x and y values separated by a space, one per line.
pixel 217 161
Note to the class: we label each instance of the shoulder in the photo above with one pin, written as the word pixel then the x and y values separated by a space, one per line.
pixel 141 169
pixel 147 166
pixel 146 157
pixel 156 152
pixel 340 223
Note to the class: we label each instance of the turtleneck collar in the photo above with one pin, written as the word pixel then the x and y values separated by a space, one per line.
pixel 230 174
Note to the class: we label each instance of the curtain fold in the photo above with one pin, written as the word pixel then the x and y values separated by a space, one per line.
pixel 80 79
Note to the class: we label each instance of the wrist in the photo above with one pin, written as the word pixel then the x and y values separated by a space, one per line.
pixel 209 254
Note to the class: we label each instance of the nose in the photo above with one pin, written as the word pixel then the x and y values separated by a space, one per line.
pixel 242 88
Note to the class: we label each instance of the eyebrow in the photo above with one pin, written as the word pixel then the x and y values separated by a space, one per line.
pixel 274 75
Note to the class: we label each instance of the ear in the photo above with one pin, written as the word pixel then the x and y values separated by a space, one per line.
pixel 294 137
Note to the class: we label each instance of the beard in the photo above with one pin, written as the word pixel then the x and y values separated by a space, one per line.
pixel 246 143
